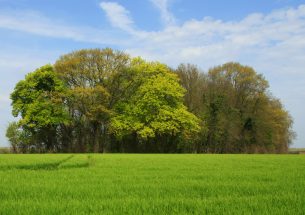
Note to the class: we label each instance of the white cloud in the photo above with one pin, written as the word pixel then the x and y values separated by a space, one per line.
pixel 215 41
pixel 118 15
pixel 277 35
pixel 166 16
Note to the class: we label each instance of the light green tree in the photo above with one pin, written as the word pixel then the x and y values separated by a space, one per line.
pixel 155 110
pixel 38 99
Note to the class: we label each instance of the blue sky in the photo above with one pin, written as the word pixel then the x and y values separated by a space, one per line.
pixel 267 35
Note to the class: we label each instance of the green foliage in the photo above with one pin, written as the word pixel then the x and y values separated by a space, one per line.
pixel 239 111
pixel 13 135
pixel 152 184
pixel 38 99
pixel 89 77
pixel 101 100
pixel 156 106
pixel 20 139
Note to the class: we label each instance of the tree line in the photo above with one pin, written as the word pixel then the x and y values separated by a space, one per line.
pixel 102 100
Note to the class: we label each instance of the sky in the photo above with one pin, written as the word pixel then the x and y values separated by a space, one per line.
pixel 266 35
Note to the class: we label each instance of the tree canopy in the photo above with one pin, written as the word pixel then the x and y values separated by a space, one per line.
pixel 102 100
pixel 155 109
pixel 240 113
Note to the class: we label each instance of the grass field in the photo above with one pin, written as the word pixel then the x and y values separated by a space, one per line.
pixel 152 184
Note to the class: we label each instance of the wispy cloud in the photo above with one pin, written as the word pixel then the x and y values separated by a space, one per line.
pixel 166 16
pixel 257 39
pixel 35 23
pixel 118 15
pixel 279 34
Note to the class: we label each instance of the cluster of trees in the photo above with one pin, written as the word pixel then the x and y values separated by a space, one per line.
pixel 238 112
pixel 105 101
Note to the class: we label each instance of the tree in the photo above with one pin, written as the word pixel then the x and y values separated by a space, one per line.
pixel 154 113
pixel 13 135
pixel 91 86
pixel 38 100
pixel 21 140
pixel 239 111
pixel 193 80
pixel 100 100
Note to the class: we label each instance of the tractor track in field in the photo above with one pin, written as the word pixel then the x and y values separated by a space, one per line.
pixel 47 166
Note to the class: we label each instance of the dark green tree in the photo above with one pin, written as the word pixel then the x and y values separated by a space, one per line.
pixel 239 112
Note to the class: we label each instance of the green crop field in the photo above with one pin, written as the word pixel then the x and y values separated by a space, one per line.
pixel 152 184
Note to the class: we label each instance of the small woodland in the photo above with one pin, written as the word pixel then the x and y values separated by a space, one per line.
pixel 103 100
